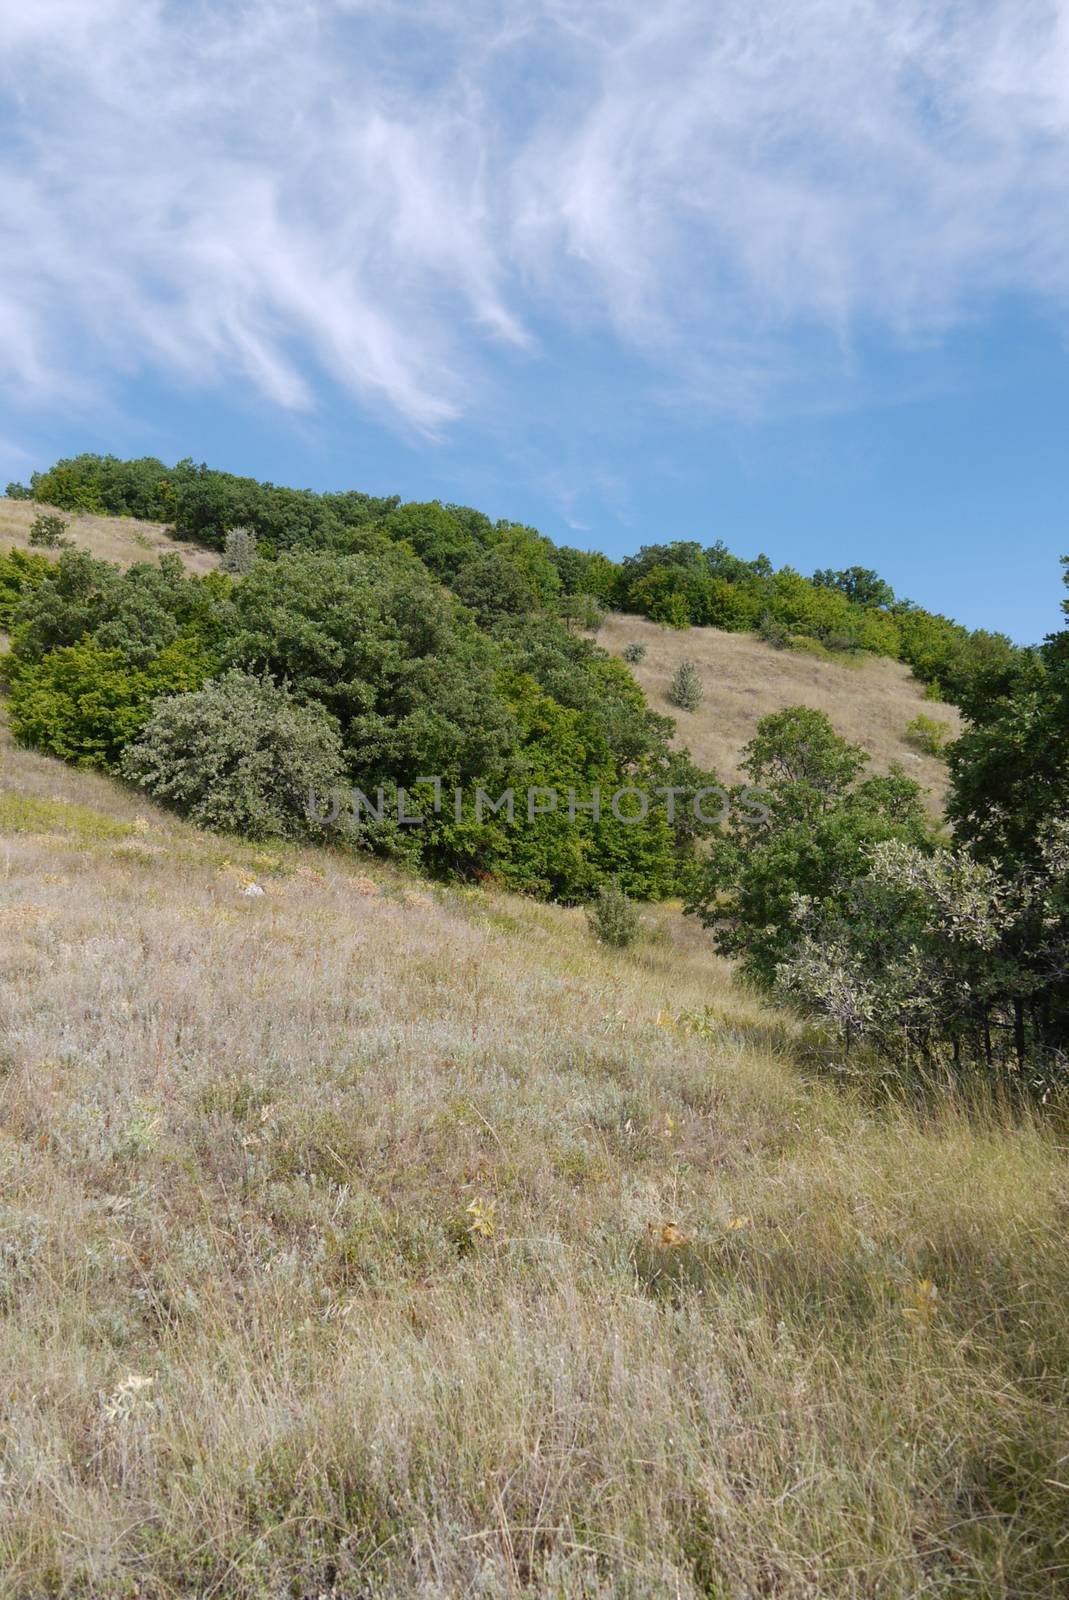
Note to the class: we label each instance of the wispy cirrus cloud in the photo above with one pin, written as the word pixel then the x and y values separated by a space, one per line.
pixel 388 196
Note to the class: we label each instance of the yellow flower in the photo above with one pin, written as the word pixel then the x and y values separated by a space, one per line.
pixel 920 1307
pixel 481 1213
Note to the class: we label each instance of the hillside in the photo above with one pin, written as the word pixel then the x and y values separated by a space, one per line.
pixel 869 702
pixel 367 1238
pixel 122 540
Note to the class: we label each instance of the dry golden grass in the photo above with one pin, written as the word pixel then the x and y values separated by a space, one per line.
pixel 869 701
pixel 123 540
pixel 368 1239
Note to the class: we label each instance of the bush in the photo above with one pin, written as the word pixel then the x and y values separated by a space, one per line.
pixel 612 917
pixel 47 531
pixel 239 755
pixel 686 690
pixel 583 611
pixel 634 652
pixel 238 552
pixel 928 734
pixel 773 632
pixel 18 491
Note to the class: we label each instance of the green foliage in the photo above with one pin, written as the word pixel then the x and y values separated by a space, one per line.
pixel 83 702
pixel 386 651
pixel 676 583
pixel 806 832
pixel 47 530
pixel 583 611
pixel 612 917
pixel 138 612
pixel 1010 769
pixel 493 586
pixel 239 551
pixel 774 632
pixel 686 689
pixel 634 652
pixel 19 575
pixel 18 491
pixel 435 534
pixel 859 584
pixel 240 755
pixel 928 734
pixel 956 960
pixel 943 960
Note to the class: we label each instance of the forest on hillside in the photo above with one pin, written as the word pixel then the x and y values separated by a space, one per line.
pixel 355 640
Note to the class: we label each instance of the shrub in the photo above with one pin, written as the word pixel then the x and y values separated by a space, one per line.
pixel 238 551
pixel 583 611
pixel 686 690
pixel 240 755
pixel 634 652
pixel 928 734
pixel 18 491
pixel 612 917
pixel 774 632
pixel 47 531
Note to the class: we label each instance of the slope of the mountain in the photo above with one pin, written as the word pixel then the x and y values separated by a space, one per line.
pixel 122 540
pixel 869 700
pixel 362 1238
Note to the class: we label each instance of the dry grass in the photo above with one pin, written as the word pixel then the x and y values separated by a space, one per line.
pixel 869 701
pixel 367 1239
pixel 123 540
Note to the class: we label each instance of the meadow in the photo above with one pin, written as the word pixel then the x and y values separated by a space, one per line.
pixel 367 1237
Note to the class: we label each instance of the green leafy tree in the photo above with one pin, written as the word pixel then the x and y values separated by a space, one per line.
pixel 396 661
pixel 494 586
pixel 940 960
pixel 806 832
pixel 1010 768
pixel 20 574
pixel 84 703
pixel 435 534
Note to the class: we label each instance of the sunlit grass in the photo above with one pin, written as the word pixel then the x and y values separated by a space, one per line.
pixel 372 1238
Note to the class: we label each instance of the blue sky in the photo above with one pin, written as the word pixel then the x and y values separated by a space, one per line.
pixel 790 273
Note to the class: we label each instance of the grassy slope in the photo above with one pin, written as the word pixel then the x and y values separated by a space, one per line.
pixel 869 702
pixel 123 540
pixel 250 1347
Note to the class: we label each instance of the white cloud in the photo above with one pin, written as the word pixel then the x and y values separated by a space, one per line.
pixel 387 195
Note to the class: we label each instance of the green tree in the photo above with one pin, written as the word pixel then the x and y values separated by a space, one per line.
pixel 20 574
pixel 396 661
pixel 48 531
pixel 84 703
pixel 806 832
